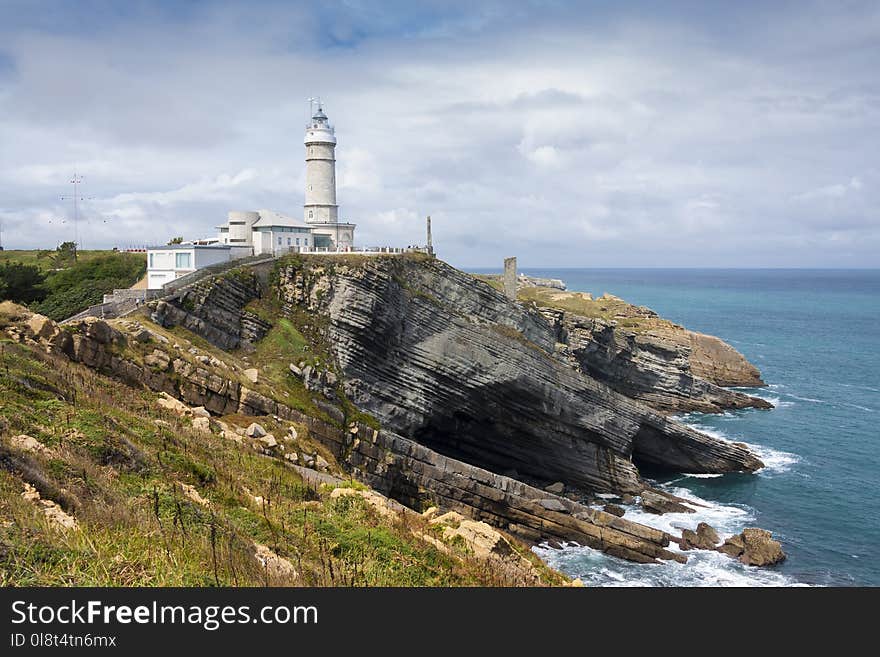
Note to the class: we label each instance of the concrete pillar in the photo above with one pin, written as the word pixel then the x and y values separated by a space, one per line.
pixel 430 241
pixel 510 278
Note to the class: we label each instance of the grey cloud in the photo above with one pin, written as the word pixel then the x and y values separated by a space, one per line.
pixel 652 141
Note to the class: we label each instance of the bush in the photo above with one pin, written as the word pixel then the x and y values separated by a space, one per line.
pixel 21 283
pixel 72 290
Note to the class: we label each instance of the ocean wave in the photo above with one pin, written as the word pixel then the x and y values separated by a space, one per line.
pixel 702 475
pixel 861 408
pixel 703 568
pixel 807 399
pixel 775 461
pixel 727 519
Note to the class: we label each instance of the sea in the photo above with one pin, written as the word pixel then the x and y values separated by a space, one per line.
pixel 815 336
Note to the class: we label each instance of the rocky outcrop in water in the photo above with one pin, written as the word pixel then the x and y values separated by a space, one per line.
pixel 449 362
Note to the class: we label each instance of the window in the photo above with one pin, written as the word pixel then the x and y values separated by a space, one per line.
pixel 182 261
pixel 279 241
pixel 310 188
pixel 311 214
pixel 297 241
pixel 306 241
pixel 288 241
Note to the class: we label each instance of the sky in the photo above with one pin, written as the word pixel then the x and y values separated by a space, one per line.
pixel 587 134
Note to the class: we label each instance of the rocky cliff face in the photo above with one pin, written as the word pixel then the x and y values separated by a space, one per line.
pixel 447 361
pixel 477 397
pixel 390 463
pixel 671 370
pixel 214 309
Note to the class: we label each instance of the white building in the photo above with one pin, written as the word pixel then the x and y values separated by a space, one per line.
pixel 165 263
pixel 320 210
pixel 266 231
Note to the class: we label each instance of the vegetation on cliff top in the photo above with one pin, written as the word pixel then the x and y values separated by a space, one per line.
pixel 55 285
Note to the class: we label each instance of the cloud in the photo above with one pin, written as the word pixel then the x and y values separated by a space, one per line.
pixel 583 134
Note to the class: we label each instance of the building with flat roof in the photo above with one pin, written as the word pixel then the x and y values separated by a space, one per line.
pixel 166 263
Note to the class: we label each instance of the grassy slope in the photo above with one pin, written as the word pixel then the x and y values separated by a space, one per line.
pixel 116 461
pixel 607 307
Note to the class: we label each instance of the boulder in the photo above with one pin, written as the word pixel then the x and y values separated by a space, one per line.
pixel 760 548
pixel 553 505
pixel 29 444
pixel 557 489
pixel 99 330
pixel 708 534
pixel 200 411
pixel 255 431
pixel 704 538
pixel 252 374
pixel 297 372
pixel 268 441
pixel 449 519
pixel 201 424
pixel 754 547
pixel 321 464
pixel 142 335
pixel 654 502
pixel 174 405
pixel 733 546
pixel 614 510
pixel 292 433
pixel 41 326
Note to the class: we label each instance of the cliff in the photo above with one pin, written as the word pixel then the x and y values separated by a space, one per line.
pixel 448 361
pixel 105 484
pixel 415 378
pixel 642 355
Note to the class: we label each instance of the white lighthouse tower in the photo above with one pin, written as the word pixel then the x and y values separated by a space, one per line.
pixel 320 208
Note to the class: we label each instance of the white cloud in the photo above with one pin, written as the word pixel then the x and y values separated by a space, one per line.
pixel 567 136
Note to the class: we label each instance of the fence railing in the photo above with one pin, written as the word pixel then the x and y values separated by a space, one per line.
pixel 188 279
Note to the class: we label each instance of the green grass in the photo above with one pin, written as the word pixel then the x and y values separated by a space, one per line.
pixel 42 258
pixel 607 308
pixel 119 473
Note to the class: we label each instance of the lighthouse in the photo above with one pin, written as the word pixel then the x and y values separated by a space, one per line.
pixel 320 208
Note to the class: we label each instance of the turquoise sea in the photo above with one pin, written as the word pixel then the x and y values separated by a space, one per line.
pixel 815 335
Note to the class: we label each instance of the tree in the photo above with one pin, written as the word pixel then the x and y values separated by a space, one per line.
pixel 175 240
pixel 65 255
pixel 22 283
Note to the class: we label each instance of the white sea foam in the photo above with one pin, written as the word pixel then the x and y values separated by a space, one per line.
pixel 728 519
pixel 775 461
pixel 807 399
pixel 702 475
pixel 861 408
pixel 703 568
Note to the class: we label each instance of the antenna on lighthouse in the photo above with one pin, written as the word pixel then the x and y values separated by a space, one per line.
pixel 312 101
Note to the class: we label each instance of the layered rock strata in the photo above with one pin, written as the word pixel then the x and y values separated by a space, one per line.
pixel 393 465
pixel 449 362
